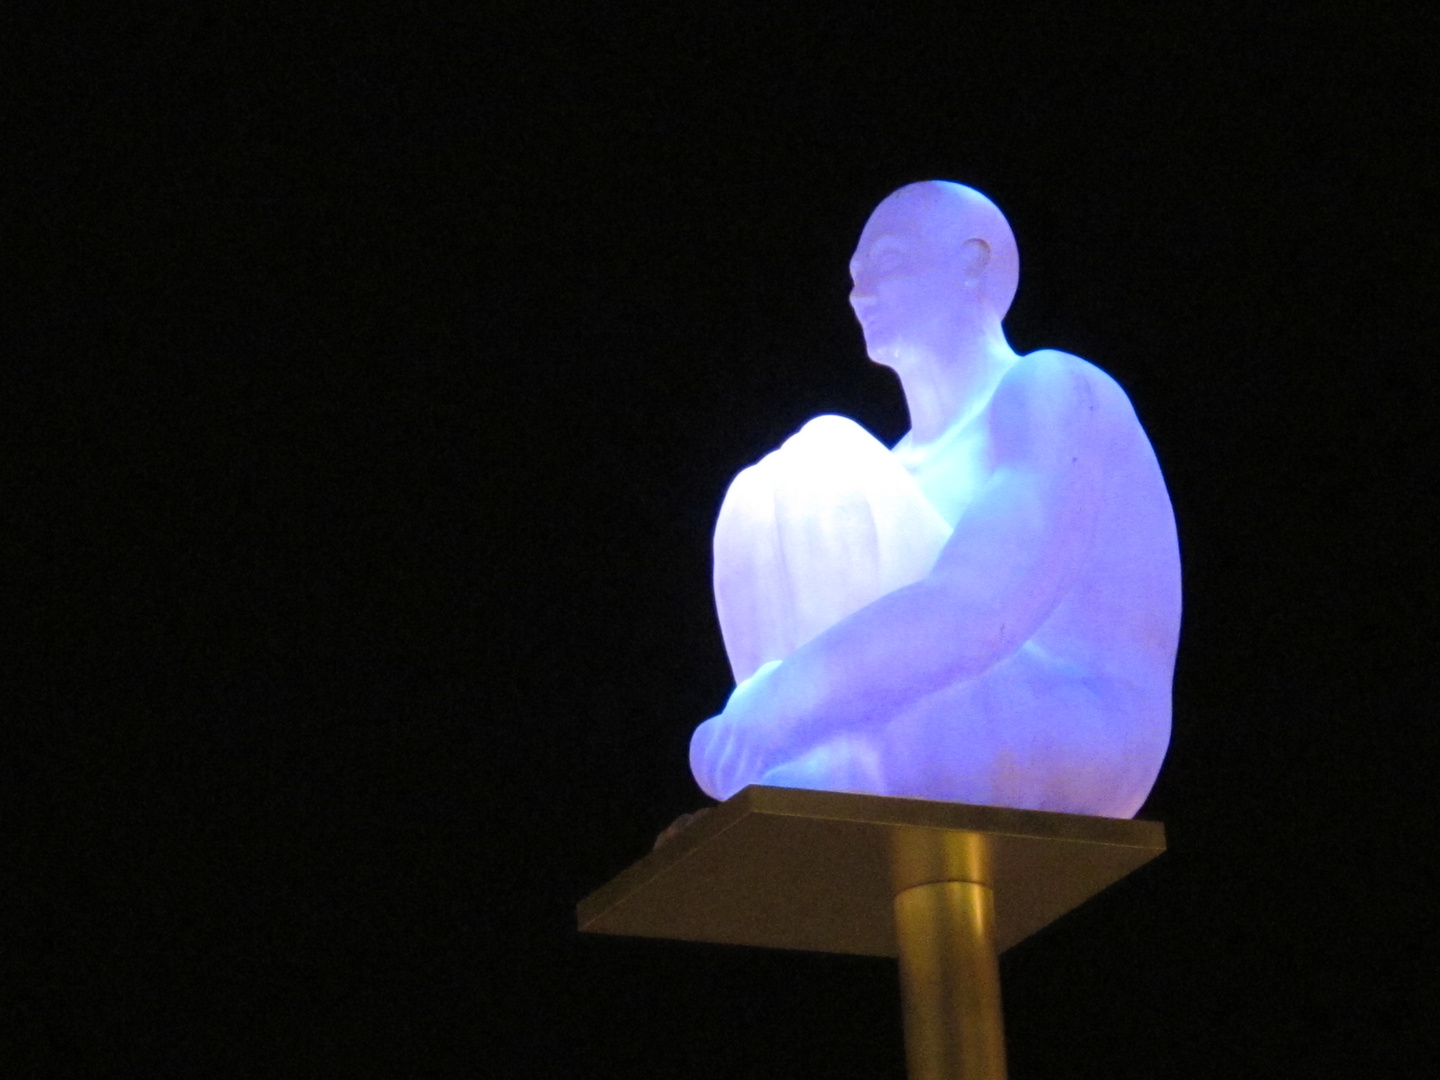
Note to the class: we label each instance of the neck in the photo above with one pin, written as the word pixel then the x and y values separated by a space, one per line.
pixel 947 386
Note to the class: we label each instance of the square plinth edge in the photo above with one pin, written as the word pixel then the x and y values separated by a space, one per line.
pixel 812 870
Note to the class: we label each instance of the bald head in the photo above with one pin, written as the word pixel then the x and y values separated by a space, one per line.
pixel 959 228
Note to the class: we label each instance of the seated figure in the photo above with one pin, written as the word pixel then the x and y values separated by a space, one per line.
pixel 986 613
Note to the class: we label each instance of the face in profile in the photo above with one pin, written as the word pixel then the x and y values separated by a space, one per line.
pixel 905 288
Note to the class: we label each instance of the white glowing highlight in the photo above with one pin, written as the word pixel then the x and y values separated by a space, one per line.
pixel 987 613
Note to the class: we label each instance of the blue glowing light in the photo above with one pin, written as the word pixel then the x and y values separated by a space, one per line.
pixel 986 613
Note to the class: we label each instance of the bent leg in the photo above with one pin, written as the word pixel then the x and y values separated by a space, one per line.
pixel 816 530
pixel 849 762
pixel 1033 733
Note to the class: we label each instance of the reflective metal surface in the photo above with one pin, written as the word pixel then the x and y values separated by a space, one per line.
pixel 950 982
pixel 816 870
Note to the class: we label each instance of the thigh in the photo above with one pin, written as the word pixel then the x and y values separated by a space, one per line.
pixel 815 531
pixel 1032 733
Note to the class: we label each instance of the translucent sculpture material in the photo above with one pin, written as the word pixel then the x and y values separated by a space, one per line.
pixel 986 613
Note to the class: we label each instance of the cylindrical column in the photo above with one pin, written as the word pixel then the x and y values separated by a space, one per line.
pixel 950 981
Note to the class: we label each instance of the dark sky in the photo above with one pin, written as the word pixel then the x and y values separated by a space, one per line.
pixel 370 385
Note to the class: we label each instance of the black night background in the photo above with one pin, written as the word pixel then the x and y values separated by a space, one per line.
pixel 372 377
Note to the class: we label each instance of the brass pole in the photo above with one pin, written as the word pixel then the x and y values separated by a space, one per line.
pixel 950 982
pixel 949 975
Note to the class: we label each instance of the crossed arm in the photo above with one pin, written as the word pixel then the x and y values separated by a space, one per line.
pixel 1009 561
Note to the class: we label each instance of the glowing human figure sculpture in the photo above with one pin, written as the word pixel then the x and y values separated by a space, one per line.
pixel 987 613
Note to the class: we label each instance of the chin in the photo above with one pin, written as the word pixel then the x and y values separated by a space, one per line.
pixel 881 354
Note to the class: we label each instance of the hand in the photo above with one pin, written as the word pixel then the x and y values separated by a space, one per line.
pixel 733 750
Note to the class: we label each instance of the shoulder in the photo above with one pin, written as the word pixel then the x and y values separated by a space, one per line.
pixel 1050 382
pixel 1051 399
pixel 1056 370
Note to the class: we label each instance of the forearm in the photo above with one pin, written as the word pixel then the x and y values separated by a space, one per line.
pixel 998 580
pixel 859 674
pixel 872 666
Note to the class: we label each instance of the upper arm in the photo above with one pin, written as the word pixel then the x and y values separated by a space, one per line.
pixel 1043 415
pixel 1016 548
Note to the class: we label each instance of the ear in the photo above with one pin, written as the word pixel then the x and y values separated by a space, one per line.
pixel 974 258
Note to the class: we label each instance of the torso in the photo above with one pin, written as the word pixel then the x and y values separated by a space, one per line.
pixel 1121 614
pixel 950 470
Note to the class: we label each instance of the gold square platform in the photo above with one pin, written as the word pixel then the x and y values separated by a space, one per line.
pixel 816 870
